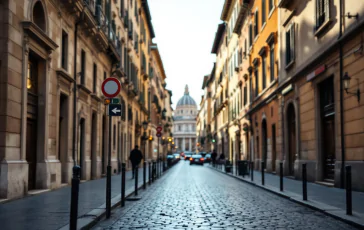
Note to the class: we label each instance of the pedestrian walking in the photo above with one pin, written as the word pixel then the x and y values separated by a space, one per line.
pixel 135 157
pixel 214 156
pixel 222 158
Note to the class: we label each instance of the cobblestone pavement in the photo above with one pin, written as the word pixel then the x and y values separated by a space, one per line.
pixel 196 197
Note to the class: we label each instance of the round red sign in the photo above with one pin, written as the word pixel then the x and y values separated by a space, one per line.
pixel 111 87
pixel 159 129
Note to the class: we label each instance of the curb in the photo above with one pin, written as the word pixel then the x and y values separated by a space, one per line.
pixel 91 218
pixel 355 220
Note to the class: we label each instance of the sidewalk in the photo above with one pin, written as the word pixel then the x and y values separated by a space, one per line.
pixel 50 210
pixel 331 201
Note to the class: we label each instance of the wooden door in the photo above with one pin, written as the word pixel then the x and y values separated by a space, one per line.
pixel 264 143
pixel 31 152
pixel 291 139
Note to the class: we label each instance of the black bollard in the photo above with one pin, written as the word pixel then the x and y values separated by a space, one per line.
pixel 252 170
pixel 153 171
pixel 304 181
pixel 108 191
pixel 150 173
pixel 145 175
pixel 348 191
pixel 262 168
pixel 281 176
pixel 74 196
pixel 136 181
pixel 123 166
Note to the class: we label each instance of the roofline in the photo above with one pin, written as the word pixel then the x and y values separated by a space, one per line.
pixel 149 17
pixel 154 47
pixel 219 34
pixel 226 10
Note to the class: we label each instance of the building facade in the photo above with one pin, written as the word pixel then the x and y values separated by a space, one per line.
pixel 52 109
pixel 291 100
pixel 185 123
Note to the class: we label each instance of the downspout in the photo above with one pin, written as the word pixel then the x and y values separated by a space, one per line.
pixel 74 145
pixel 342 174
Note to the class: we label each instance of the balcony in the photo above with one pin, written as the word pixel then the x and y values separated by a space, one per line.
pixel 103 26
pixel 74 6
pixel 114 45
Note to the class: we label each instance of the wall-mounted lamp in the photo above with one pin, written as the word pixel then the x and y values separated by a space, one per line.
pixel 356 16
pixel 346 81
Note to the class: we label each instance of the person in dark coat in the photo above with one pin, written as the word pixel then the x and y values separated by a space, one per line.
pixel 214 156
pixel 135 157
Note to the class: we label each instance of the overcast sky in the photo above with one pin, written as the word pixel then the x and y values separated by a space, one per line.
pixel 185 31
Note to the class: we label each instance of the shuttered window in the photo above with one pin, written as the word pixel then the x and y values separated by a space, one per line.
pixel 290 40
pixel 271 54
pixel 264 6
pixel 256 18
pixel 250 35
pixel 322 12
pixel 256 73
pixel 264 77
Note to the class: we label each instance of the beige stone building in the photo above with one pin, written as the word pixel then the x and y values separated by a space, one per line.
pixel 49 50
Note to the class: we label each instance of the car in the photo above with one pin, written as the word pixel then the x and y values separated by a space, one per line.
pixel 170 159
pixel 207 158
pixel 177 156
pixel 196 159
pixel 202 153
pixel 188 155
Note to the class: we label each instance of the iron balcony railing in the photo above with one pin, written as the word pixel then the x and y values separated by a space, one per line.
pixel 91 5
pixel 102 21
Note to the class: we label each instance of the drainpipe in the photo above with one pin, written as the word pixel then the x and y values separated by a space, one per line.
pixel 74 145
pixel 342 174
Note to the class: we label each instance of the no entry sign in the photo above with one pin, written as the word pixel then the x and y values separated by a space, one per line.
pixel 159 129
pixel 111 87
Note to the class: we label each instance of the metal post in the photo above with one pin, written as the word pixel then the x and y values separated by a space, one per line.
pixel 145 175
pixel 348 191
pixel 74 197
pixel 123 166
pixel 153 171
pixel 262 168
pixel 108 172
pixel 136 180
pixel 281 176
pixel 252 170
pixel 150 173
pixel 158 156
pixel 304 181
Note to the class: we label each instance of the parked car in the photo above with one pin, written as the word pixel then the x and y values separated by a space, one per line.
pixel 207 158
pixel 196 159
pixel 170 160
pixel 176 156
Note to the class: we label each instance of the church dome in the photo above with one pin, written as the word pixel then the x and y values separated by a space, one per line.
pixel 186 99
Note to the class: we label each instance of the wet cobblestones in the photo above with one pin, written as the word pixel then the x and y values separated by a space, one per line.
pixel 195 197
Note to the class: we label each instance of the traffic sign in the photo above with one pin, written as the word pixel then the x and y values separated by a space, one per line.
pixel 159 134
pixel 115 100
pixel 159 129
pixel 111 87
pixel 114 110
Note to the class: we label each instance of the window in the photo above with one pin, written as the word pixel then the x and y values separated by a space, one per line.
pixel 264 6
pixel 290 52
pixel 322 12
pixel 245 49
pixel 64 57
pixel 83 66
pixel 256 74
pixel 264 72
pixel 122 8
pixel 251 88
pixel 105 75
pixel 245 95
pixel 39 16
pixel 250 35
pixel 94 78
pixel 271 54
pixel 179 128
pixel 256 18
pixel 271 5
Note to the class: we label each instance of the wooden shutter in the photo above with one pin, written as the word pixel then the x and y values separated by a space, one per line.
pixel 288 44
pixel 292 41
pixel 327 9
pixel 263 11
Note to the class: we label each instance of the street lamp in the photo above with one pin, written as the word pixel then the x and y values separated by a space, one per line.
pixel 346 81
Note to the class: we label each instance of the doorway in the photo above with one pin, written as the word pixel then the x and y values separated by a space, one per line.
pixel 291 120
pixel 274 148
pixel 32 121
pixel 120 147
pixel 328 128
pixel 264 143
pixel 81 147
pixel 62 135
pixel 94 146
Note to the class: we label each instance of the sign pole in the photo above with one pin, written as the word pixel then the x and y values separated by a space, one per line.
pixel 108 179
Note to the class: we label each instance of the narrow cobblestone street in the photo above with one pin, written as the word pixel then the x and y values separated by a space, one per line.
pixel 196 197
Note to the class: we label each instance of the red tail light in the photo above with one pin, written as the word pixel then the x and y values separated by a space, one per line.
pixel 201 159
pixel 191 159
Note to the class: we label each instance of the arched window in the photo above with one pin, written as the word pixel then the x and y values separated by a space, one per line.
pixel 39 16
